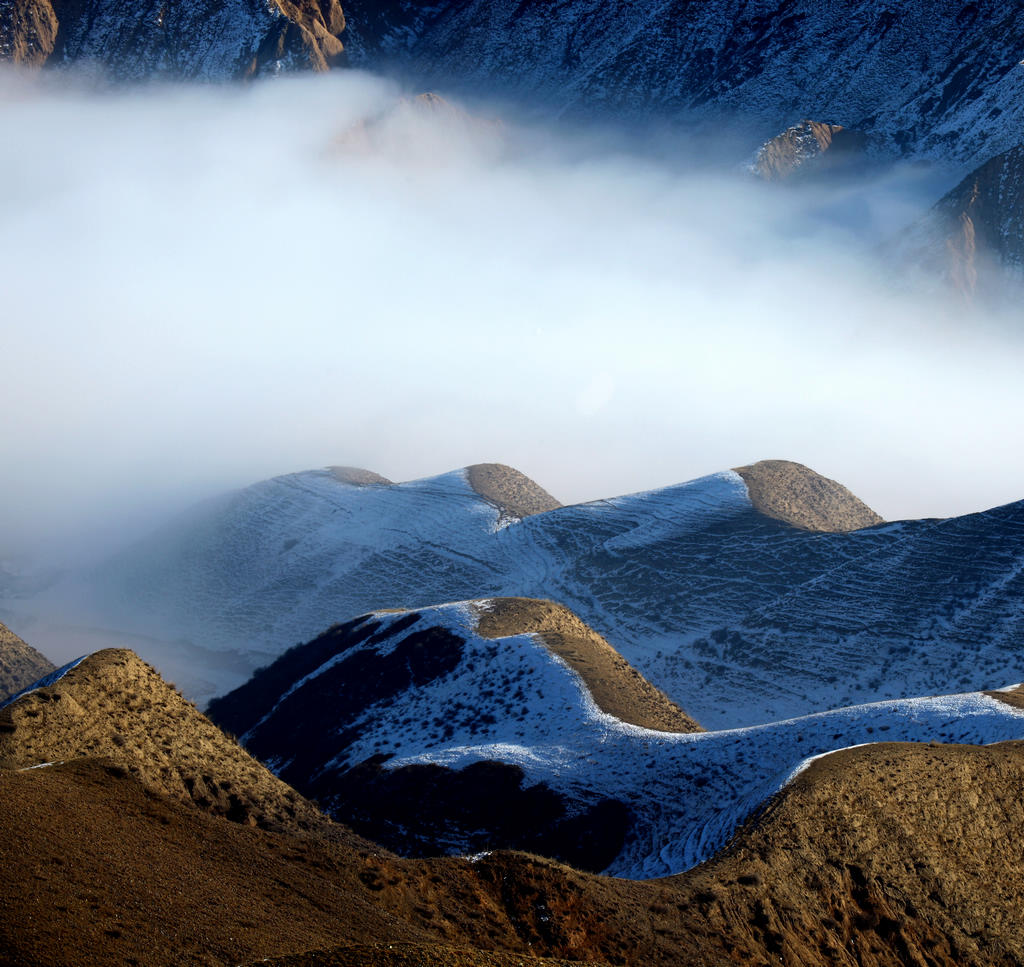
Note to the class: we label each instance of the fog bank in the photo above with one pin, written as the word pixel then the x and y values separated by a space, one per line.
pixel 206 286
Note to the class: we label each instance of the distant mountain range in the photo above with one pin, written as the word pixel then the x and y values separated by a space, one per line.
pixel 919 79
pixel 738 616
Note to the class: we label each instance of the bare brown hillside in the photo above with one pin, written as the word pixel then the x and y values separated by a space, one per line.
pixel 512 492
pixel 795 494
pixel 20 664
pixel 616 686
pixel 880 855
pixel 113 704
pixel 358 477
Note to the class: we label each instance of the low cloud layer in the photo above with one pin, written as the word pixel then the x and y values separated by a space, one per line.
pixel 206 286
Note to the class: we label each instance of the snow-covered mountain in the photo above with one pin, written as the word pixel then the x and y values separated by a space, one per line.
pixel 739 617
pixel 194 39
pixel 426 735
pixel 922 79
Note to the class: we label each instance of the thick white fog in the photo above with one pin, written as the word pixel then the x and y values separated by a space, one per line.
pixel 206 286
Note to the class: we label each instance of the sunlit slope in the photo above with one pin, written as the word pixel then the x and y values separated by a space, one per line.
pixel 428 737
pixel 667 575
pixel 114 705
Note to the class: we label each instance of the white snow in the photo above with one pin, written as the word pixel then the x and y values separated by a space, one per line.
pixel 687 792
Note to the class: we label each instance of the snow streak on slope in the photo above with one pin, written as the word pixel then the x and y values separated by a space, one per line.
pixel 667 577
pixel 510 700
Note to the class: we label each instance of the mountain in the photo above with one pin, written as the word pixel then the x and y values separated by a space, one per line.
pixel 882 854
pixel 114 705
pixel 792 493
pixel 974 236
pixel 809 148
pixel 253 572
pixel 461 728
pixel 738 616
pixel 20 664
pixel 918 79
pixel 196 40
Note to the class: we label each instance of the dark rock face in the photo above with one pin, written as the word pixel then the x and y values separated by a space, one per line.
pixel 174 38
pixel 305 711
pixel 927 79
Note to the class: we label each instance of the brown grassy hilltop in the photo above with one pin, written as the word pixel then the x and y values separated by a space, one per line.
pixel 114 705
pixel 886 854
pixel 795 494
pixel 616 686
pixel 512 492
pixel 20 664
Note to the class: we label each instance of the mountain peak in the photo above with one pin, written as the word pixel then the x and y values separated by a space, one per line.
pixel 512 492
pixel 795 494
pixel 113 704
pixel 358 477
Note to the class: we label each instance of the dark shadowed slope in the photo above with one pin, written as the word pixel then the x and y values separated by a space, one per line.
pixel 425 732
pixel 927 79
pixel 974 236
pixel 20 664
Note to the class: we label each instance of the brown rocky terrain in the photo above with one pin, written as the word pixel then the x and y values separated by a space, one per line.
pixel 154 37
pixel 359 477
pixel 879 855
pixel 795 494
pixel 20 664
pixel 808 148
pixel 616 686
pixel 512 492
pixel 114 705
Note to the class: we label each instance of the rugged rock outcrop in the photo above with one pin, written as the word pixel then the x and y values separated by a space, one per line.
pixel 974 237
pixel 174 38
pixel 807 149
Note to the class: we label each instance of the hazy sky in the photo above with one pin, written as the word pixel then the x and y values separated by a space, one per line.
pixel 203 287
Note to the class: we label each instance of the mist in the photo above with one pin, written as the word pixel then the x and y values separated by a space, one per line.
pixel 206 286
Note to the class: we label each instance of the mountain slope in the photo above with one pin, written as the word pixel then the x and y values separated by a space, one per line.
pixel 881 855
pixel 974 236
pixel 672 577
pixel 425 736
pixel 199 40
pixel 924 79
pixel 20 664
pixel 114 705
